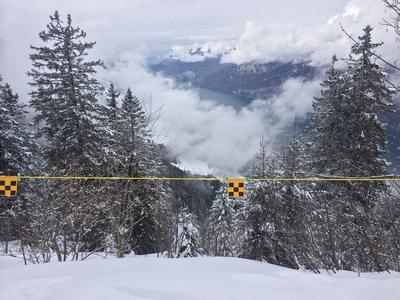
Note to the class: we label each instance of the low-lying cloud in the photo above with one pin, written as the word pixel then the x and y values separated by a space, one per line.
pixel 208 137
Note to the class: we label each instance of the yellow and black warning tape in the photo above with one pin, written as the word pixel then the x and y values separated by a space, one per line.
pixel 9 184
pixel 383 178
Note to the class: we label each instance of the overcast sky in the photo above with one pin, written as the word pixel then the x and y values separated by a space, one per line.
pixel 128 31
pixel 120 25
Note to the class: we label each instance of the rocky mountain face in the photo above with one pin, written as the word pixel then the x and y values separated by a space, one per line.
pixel 248 80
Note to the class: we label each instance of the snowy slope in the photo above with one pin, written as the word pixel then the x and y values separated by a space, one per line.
pixel 195 278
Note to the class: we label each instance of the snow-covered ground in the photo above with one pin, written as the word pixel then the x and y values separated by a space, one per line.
pixel 193 278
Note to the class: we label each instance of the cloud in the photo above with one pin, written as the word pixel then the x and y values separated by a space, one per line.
pixel 208 137
pixel 199 51
pixel 265 42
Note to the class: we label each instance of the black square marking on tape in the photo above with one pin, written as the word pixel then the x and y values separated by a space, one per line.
pixel 2 182
pixel 13 183
pixel 236 189
pixel 241 184
pixel 231 184
pixel 230 194
pixel 12 193
pixel 8 188
pixel 240 194
pixel 3 193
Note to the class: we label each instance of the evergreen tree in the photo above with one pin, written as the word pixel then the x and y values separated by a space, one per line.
pixel 188 235
pixel 328 123
pixel 112 103
pixel 65 99
pixel 295 247
pixel 349 142
pixel 17 151
pixel 16 146
pixel 370 97
pixel 366 143
pixel 137 210
pixel 256 215
pixel 68 117
pixel 220 225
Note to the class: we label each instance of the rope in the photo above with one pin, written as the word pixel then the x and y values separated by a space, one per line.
pixel 213 178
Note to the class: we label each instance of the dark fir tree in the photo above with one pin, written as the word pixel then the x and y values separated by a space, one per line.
pixel 17 150
pixel 366 143
pixel 328 124
pixel 349 142
pixel 257 216
pixel 16 146
pixel 187 244
pixel 65 98
pixel 220 225
pixel 295 247
pixel 138 212
pixel 112 103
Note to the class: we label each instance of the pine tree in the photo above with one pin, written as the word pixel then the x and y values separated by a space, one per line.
pixel 295 214
pixel 16 146
pixel 328 123
pixel 366 138
pixel 112 103
pixel 349 142
pixel 65 99
pixel 220 225
pixel 366 143
pixel 256 217
pixel 68 117
pixel 188 235
pixel 138 207
pixel 17 151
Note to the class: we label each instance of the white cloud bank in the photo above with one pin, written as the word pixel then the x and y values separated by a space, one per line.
pixel 266 42
pixel 315 43
pixel 209 137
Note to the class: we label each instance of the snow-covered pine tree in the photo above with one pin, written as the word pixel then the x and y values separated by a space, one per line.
pixel 328 122
pixel 16 155
pixel 112 103
pixel 187 244
pixel 328 125
pixel 350 141
pixel 255 218
pixel 369 97
pixel 68 117
pixel 366 143
pixel 16 142
pixel 65 99
pixel 137 210
pixel 295 214
pixel 220 225
pixel 112 122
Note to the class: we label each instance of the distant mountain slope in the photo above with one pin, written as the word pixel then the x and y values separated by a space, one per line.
pixel 248 80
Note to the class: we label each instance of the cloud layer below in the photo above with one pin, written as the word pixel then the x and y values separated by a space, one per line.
pixel 208 137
